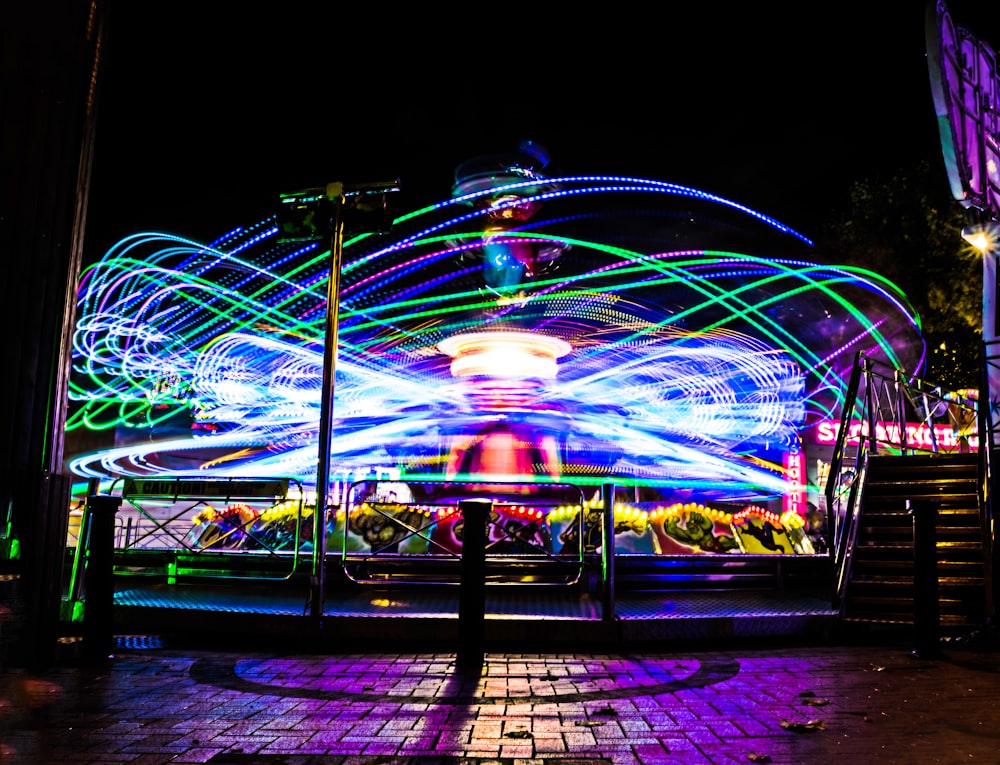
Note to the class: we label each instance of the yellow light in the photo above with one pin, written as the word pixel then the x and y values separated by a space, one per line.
pixel 982 237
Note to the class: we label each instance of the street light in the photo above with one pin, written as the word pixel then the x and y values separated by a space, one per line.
pixel 981 236
pixel 317 213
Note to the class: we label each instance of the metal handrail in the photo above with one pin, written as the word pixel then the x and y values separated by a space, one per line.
pixel 880 402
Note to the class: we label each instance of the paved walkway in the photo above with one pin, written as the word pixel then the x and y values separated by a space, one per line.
pixel 153 704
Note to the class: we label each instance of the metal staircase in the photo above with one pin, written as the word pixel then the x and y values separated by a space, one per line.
pixel 912 515
pixel 879 586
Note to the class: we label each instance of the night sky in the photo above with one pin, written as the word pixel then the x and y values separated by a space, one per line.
pixel 209 110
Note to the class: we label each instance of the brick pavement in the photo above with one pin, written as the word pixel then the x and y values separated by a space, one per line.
pixel 152 705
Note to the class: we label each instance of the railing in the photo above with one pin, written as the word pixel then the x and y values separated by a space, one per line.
pixel 534 528
pixel 176 525
pixel 881 404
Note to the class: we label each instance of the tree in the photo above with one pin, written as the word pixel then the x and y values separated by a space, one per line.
pixel 907 228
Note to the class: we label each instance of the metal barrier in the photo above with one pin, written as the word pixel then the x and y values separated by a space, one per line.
pixel 181 526
pixel 412 531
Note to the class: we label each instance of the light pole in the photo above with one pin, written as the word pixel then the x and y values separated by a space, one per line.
pixel 984 236
pixel 312 214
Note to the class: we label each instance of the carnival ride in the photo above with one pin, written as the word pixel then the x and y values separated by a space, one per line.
pixel 530 329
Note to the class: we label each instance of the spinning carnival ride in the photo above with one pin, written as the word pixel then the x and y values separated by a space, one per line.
pixel 530 328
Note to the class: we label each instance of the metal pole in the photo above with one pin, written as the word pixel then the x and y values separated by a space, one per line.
pixel 336 194
pixel 472 589
pixel 608 553
pixel 99 585
pixel 898 394
pixel 926 605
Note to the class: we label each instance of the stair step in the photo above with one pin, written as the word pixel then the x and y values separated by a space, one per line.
pixel 957 513
pixel 959 550
pixel 901 585
pixel 922 492
pixel 941 463
pixel 882 567
pixel 856 600
pixel 904 619
pixel 902 538
pixel 949 516
pixel 890 570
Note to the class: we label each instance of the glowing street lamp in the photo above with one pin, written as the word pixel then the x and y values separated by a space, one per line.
pixel 982 237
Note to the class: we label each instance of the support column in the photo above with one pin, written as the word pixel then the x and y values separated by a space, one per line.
pixel 608 553
pixel 926 603
pixel 472 594
pixel 99 586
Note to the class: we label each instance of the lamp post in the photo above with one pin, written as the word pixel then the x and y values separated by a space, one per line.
pixel 984 236
pixel 312 214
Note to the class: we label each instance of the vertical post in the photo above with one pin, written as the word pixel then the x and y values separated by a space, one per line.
pixel 318 593
pixel 989 391
pixel 75 586
pixel 608 553
pixel 989 395
pixel 472 588
pixel 926 604
pixel 871 409
pixel 99 586
pixel 899 396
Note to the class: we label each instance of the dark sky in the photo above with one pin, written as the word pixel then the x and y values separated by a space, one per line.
pixel 209 110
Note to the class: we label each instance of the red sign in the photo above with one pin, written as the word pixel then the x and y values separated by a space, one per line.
pixel 919 435
pixel 795 474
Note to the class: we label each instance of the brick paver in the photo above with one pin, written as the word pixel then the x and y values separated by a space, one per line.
pixel 786 704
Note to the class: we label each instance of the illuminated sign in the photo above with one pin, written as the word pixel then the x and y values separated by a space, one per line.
pixel 193 487
pixel 918 435
pixel 965 84
pixel 795 471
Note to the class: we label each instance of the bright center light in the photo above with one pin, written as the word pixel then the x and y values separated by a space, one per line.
pixel 504 355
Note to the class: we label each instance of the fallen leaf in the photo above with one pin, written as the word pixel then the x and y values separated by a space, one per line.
pixel 754 757
pixel 815 702
pixel 36 694
pixel 807 727
pixel 518 734
pixel 588 723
